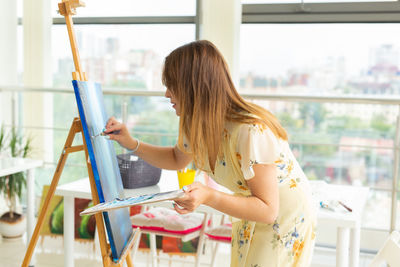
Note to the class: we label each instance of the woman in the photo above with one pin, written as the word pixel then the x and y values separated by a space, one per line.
pixel 241 146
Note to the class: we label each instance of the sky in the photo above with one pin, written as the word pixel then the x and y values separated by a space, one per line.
pixel 265 49
pixel 275 48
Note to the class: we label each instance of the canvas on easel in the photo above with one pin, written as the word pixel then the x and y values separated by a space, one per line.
pixel 101 161
pixel 103 158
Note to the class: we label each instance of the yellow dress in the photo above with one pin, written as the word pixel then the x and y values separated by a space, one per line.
pixel 290 240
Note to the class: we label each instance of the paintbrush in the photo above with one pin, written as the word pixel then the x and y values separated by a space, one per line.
pixel 102 133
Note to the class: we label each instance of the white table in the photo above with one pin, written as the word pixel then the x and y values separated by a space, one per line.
pixel 14 165
pixel 348 225
pixel 81 189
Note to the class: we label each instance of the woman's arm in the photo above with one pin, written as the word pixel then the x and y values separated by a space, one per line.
pixel 262 206
pixel 171 158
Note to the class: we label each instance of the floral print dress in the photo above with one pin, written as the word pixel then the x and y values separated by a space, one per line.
pixel 289 241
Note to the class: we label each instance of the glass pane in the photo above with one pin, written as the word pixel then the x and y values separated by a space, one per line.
pixel 75 166
pixel 335 165
pixel 6 115
pixel 350 144
pixel 64 110
pixel 318 59
pixel 129 56
pixel 377 210
pixel 151 119
pixel 19 8
pixel 124 8
pixel 156 122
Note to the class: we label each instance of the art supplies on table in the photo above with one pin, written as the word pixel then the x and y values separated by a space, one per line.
pixel 132 201
pixel 335 206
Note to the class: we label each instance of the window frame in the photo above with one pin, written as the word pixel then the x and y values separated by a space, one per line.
pixel 354 12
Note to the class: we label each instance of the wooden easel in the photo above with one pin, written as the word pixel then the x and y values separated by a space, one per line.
pixel 67 8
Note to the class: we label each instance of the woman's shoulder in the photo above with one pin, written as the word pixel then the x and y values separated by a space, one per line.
pixel 251 128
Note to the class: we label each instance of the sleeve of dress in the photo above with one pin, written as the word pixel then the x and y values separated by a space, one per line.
pixel 256 145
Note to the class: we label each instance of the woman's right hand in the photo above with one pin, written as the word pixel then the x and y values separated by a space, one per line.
pixel 120 133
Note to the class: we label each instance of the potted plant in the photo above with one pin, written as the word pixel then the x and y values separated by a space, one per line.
pixel 13 224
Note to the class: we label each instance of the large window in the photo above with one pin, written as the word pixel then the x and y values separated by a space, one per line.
pixel 340 143
pixel 311 47
pixel 122 45
pixel 320 59
pixel 129 56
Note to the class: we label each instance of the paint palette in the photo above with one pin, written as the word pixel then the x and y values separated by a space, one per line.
pixel 132 201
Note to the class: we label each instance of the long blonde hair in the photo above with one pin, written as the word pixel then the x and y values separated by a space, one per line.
pixel 198 76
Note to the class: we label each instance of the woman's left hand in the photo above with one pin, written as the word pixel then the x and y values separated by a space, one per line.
pixel 195 194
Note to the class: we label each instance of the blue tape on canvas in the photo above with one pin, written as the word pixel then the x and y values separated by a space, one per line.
pixel 104 163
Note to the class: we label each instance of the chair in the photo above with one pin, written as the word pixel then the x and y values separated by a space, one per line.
pixel 218 234
pixel 153 227
pixel 223 231
pixel 389 253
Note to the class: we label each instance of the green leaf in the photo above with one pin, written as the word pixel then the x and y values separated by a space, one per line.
pixel 11 186
pixel 20 183
pixel 3 186
pixel 2 137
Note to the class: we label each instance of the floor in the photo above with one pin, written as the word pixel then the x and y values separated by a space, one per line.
pixel 49 253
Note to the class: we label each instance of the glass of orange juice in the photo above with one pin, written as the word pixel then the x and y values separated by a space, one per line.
pixel 186 177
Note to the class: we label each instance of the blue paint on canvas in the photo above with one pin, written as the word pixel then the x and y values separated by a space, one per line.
pixel 102 156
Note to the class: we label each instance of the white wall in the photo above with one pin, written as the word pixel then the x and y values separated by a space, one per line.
pixel 8 56
pixel 38 108
pixel 220 23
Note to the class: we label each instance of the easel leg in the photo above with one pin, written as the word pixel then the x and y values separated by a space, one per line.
pixel 75 128
pixel 30 185
pixel 31 202
pixel 98 217
pixel 129 260
pixel 136 246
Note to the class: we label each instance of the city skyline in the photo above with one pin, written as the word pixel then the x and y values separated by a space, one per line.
pixel 263 57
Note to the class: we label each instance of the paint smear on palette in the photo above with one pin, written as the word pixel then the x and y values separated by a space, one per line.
pixel 118 203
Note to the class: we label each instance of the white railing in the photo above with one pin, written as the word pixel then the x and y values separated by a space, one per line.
pixel 376 100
